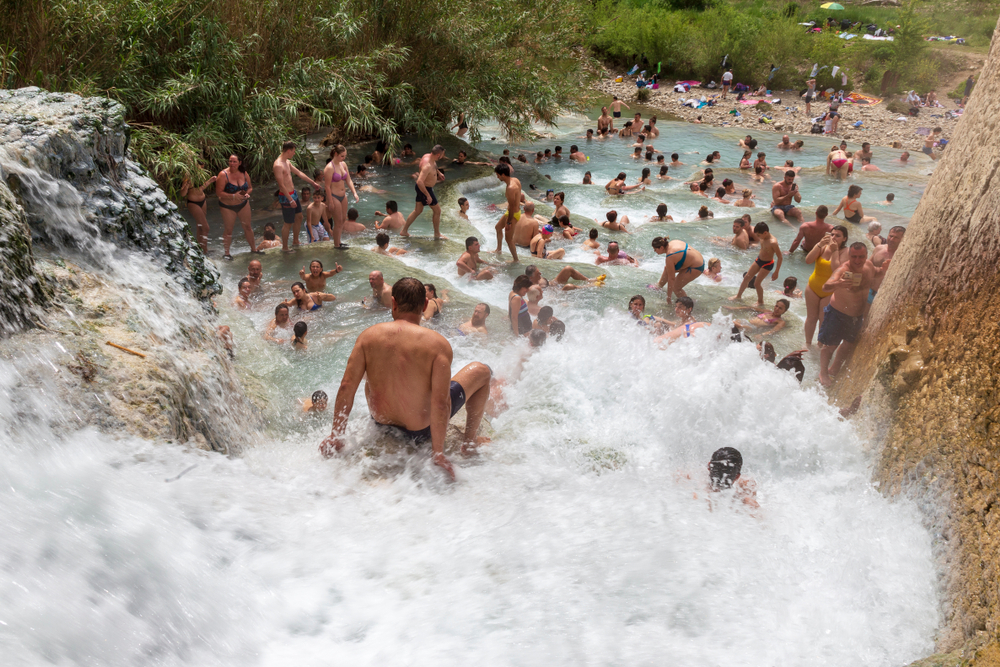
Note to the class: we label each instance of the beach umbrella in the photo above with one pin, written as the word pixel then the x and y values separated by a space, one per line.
pixel 831 5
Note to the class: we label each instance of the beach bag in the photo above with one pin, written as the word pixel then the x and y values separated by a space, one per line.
pixel 816 129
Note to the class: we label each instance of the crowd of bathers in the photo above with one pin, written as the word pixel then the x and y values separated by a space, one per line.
pixel 328 215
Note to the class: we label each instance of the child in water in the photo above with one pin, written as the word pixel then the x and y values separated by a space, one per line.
pixel 299 342
pixel 316 404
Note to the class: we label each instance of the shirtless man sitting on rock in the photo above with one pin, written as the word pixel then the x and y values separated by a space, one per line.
pixel 527 227
pixel 409 384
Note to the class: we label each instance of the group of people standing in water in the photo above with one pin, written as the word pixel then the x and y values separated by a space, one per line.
pixel 418 400
pixel 326 216
pixel 838 294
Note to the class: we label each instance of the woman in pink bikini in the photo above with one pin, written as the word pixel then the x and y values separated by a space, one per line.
pixel 336 178
pixel 764 318
pixel 837 163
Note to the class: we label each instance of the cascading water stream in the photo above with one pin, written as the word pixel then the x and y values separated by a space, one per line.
pixel 583 534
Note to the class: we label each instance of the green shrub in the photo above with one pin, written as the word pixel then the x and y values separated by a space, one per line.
pixel 643 94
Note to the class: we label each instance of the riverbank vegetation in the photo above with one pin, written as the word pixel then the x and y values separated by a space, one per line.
pixel 203 79
pixel 691 37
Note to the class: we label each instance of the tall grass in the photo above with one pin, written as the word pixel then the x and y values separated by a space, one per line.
pixel 203 79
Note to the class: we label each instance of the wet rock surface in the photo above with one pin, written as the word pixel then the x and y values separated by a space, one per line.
pixel 23 292
pixel 84 142
pixel 928 367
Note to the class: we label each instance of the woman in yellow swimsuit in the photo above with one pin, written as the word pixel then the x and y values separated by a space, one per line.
pixel 827 255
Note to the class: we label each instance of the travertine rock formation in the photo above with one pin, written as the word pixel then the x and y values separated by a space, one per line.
pixel 929 366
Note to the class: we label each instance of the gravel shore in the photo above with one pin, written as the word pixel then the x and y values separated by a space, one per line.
pixel 880 126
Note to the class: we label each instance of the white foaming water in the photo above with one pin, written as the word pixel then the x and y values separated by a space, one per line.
pixel 582 535
pixel 575 538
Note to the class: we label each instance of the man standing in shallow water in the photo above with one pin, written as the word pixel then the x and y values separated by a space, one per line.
pixel 291 208
pixel 505 226
pixel 427 178
pixel 409 383
pixel 843 317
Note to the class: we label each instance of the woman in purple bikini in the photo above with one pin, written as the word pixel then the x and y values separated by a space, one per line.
pixel 336 178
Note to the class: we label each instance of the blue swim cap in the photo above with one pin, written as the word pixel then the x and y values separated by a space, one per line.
pixel 547 228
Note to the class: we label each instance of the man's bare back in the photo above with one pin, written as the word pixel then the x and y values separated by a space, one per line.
pixel 525 230
pixel 401 360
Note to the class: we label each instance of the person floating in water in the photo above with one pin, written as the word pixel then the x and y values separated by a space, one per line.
pixel 382 246
pixel 409 385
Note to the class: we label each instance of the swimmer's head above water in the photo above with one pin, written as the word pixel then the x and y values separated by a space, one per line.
pixel 725 468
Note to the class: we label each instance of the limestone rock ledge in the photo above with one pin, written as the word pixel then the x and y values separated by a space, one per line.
pixel 22 291
pixel 84 141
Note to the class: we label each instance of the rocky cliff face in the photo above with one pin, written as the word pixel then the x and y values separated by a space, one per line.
pixel 23 292
pixel 112 265
pixel 929 366
pixel 83 142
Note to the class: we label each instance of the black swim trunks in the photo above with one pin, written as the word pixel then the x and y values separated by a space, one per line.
pixel 421 199
pixel 423 435
pixel 290 206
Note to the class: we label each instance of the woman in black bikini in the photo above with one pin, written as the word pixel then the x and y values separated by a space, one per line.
pixel 233 187
pixel 195 199
pixel 852 207
pixel 434 303
pixel 462 126
pixel 336 178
